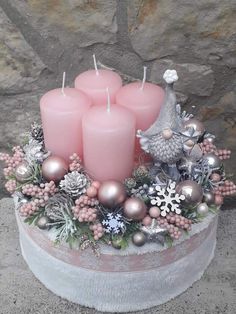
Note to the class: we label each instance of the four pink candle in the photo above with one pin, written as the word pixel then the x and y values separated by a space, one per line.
pixel 108 142
pixel 61 112
pixel 94 83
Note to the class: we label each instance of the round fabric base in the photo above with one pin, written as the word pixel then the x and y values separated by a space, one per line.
pixel 126 289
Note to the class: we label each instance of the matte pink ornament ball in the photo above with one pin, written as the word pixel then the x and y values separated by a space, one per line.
pixel 218 200
pixel 96 184
pixel 54 168
pixel 91 191
pixel 154 212
pixel 147 221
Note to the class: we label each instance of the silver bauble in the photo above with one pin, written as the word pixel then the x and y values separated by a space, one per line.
pixel 23 172
pixel 191 190
pixel 54 168
pixel 135 209
pixel 196 125
pixel 43 222
pixel 212 160
pixel 209 198
pixel 202 209
pixel 139 238
pixel 111 193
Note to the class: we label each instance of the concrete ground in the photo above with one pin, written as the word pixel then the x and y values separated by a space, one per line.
pixel 21 293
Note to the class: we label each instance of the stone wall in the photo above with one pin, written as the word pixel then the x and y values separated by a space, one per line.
pixel 41 39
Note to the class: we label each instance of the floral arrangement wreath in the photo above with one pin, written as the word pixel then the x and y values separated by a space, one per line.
pixel 162 199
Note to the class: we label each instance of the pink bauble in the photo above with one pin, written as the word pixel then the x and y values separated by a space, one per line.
pixel 135 209
pixel 111 193
pixel 96 184
pixel 147 221
pixel 154 212
pixel 218 200
pixel 54 168
pixel 91 191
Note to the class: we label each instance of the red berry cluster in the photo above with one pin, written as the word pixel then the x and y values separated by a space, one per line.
pixel 225 189
pixel 98 230
pixel 173 223
pixel 12 161
pixel 76 163
pixel 209 147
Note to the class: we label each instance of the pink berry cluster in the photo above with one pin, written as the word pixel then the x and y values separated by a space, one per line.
pixel 11 186
pixel 76 163
pixel 97 230
pixel 84 209
pixel 209 147
pixel 174 223
pixel 40 195
pixel 225 189
pixel 85 206
pixel 29 208
pixel 12 161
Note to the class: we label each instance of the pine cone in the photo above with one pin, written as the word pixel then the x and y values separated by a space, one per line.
pixel 37 132
pixel 74 184
pixel 130 183
pixel 141 174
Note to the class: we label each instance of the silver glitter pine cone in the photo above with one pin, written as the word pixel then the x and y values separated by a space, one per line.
pixel 74 184
pixel 37 132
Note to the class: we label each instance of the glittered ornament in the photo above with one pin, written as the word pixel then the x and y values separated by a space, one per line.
pixel 23 172
pixel 202 209
pixel 154 212
pixel 111 193
pixel 215 177
pixel 191 190
pixel 219 200
pixel 212 160
pixel 154 232
pixel 117 242
pixel 196 125
pixel 209 198
pixel 139 238
pixel 135 209
pixel 54 168
pixel 43 222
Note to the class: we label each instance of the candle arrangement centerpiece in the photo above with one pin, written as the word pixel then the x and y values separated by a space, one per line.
pixel 79 177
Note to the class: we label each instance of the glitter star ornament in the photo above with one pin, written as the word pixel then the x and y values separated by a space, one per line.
pixel 154 232
pixel 166 198
pixel 113 223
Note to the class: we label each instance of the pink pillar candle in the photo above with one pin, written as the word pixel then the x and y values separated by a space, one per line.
pixel 144 102
pixel 94 84
pixel 108 142
pixel 61 114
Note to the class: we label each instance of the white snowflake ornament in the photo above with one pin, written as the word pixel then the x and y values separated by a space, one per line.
pixel 113 223
pixel 166 198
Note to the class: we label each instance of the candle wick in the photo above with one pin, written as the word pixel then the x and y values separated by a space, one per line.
pixel 95 64
pixel 144 77
pixel 63 83
pixel 108 100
